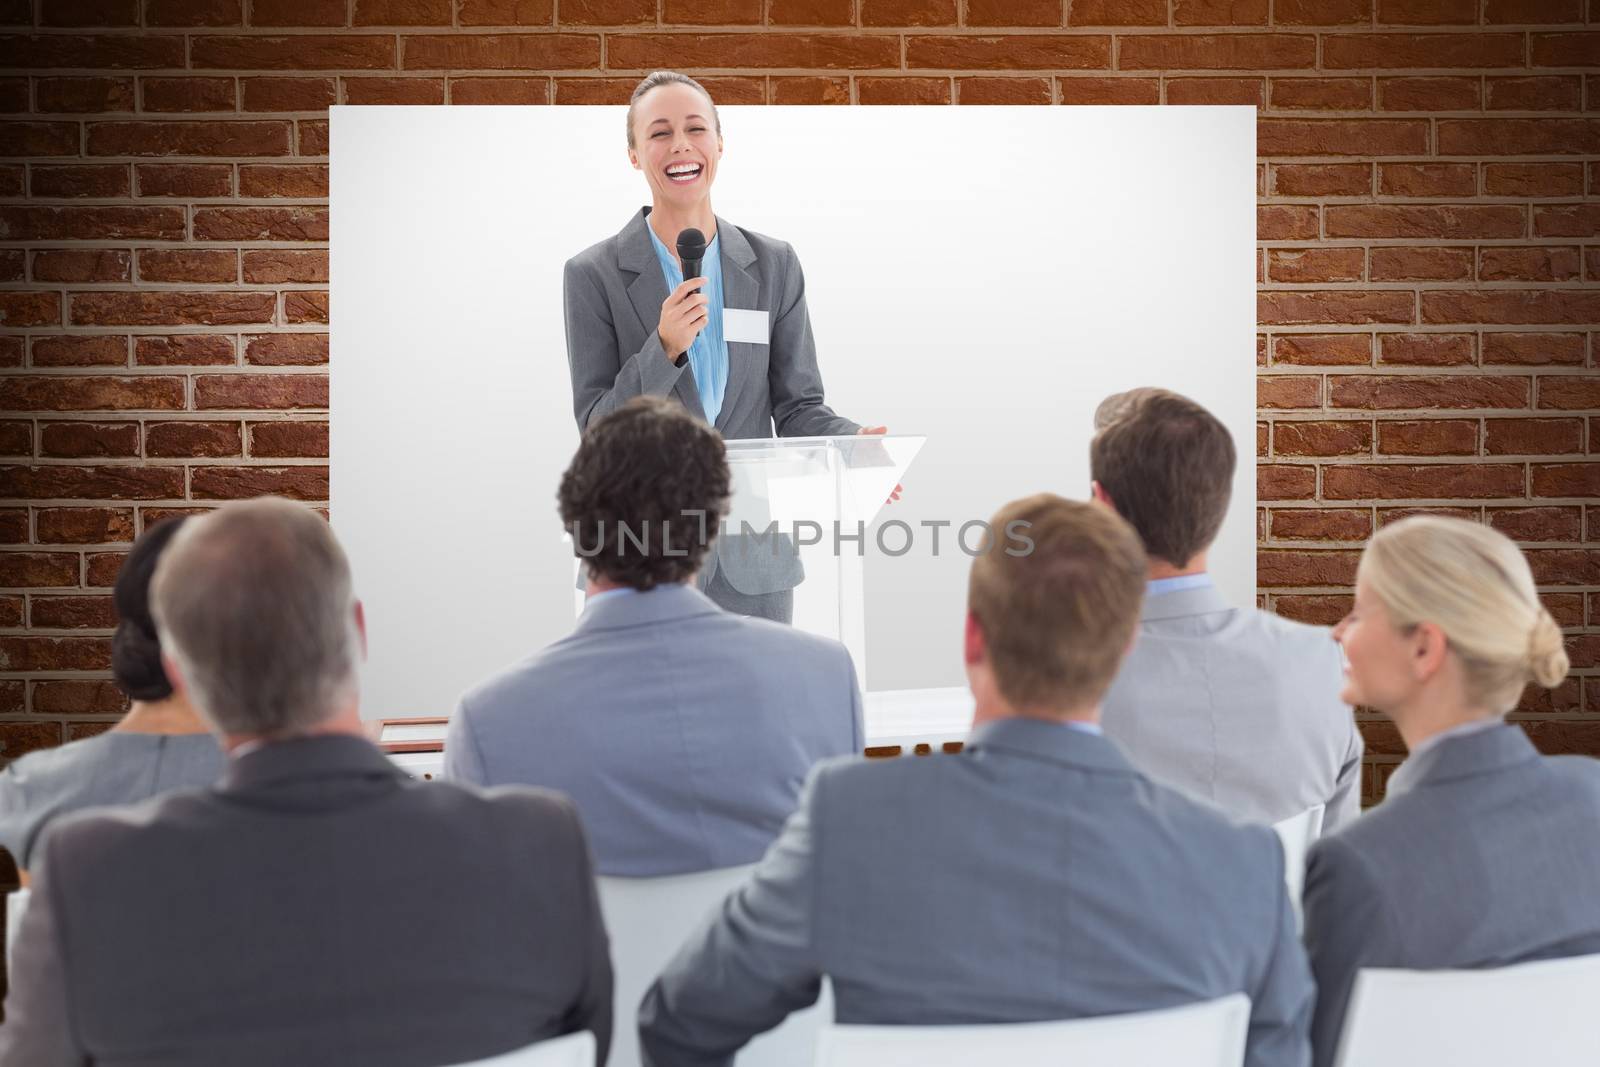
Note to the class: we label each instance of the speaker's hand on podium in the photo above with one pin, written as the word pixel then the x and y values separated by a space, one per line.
pixel 871 431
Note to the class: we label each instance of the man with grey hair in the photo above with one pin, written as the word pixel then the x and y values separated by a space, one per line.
pixel 316 906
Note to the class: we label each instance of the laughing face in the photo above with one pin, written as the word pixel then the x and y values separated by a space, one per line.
pixel 676 144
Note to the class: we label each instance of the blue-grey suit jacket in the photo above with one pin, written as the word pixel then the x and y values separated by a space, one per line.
pixel 1035 876
pixel 682 732
pixel 1483 854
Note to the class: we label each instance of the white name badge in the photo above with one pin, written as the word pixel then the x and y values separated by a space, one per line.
pixel 747 327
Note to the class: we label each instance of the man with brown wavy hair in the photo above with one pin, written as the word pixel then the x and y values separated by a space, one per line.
pixel 682 731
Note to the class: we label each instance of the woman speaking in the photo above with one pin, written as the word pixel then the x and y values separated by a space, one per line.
pixel 733 344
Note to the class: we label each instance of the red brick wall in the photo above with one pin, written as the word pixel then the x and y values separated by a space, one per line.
pixel 1428 230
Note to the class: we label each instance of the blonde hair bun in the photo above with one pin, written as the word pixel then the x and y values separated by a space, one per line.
pixel 1547 652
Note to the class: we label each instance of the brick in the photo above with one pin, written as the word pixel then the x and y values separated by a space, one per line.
pixel 83 265
pixel 188 265
pixel 1449 221
pixel 20 738
pixel 711 12
pixel 1402 263
pixel 188 139
pixel 1548 93
pixel 14 95
pixel 95 393
pixel 287 349
pixel 499 90
pixel 1029 52
pixel 1034 12
pixel 810 12
pixel 571 91
pixel 1392 392
pixel 1569 394
pixel 394 90
pixel 1276 568
pixel 1316 307
pixel 1321 12
pixel 89 440
pixel 304 181
pixel 1538 524
pixel 1322 438
pixel 305 307
pixel 184 179
pixel 172 309
pixel 1321 179
pixel 810 90
pixel 1219 12
pixel 71 697
pixel 1286 222
pixel 75 350
pixel 1094 13
pixel 1520 12
pixel 260 391
pixel 194 12
pixel 401 13
pixel 1518 137
pixel 119 482
pixel 1393 481
pixel 607 12
pixel 1428 179
pixel 83 96
pixel 1323 349
pixel 85 13
pixel 1341 137
pixel 1321 524
pixel 1564 49
pixel 205 349
pixel 1509 307
pixel 287 94
pixel 149 516
pixel 909 13
pixel 280 440
pixel 1533 348
pixel 72 613
pixel 1428 437
pixel 10 350
pixel 1440 93
pixel 1109 90
pixel 11 617
pixel 300 52
pixel 312 138
pixel 1533 179
pixel 506 12
pixel 38 570
pixel 1426 349
pixel 16 439
pixel 1276 481
pixel 30 309
pixel 1288 391
pixel 1565 479
pixel 13 264
pixel 524 52
pixel 90 223
pixel 1567 220
pixel 198 439
pixel 298 12
pixel 96 180
pixel 1322 94
pixel 1420 51
pixel 90 51
pixel 1562 566
pixel 1003 90
pixel 1526 264
pixel 261 224
pixel 1532 437
pixel 1316 264
pixel 100 569
pixel 189 94
pixel 274 266
pixel 234 483
pixel 903 90
pixel 33 654
pixel 1245 51
pixel 1319 610
pixel 39 139
pixel 84 526
pixel 1251 91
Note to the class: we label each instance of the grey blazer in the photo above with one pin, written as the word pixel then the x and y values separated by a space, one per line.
pixel 1237 707
pixel 1483 854
pixel 1034 876
pixel 682 732
pixel 317 907
pixel 613 293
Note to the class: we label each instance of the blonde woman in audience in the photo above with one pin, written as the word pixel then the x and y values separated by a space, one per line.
pixel 1485 853
pixel 160 745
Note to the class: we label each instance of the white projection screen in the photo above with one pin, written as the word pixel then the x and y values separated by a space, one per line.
pixel 982 276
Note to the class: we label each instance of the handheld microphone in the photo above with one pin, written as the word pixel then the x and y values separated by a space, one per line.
pixel 691 251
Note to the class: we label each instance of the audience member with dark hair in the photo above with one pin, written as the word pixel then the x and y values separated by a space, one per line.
pixel 1235 706
pixel 161 744
pixel 682 731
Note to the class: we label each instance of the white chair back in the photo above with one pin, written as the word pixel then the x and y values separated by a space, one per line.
pixel 1541 1013
pixel 573 1050
pixel 647 920
pixel 16 904
pixel 1211 1034
pixel 1298 833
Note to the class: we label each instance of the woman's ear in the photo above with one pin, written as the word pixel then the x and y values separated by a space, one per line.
pixel 633 158
pixel 1429 647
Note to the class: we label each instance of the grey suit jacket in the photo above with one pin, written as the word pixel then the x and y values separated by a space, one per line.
pixel 682 732
pixel 1483 854
pixel 316 907
pixel 1034 876
pixel 1237 707
pixel 613 293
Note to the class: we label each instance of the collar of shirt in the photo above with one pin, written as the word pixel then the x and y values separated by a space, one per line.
pixel 1083 727
pixel 1157 586
pixel 595 598
pixel 1466 729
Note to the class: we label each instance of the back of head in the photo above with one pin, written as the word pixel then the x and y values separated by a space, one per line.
pixel 135 648
pixel 1474 584
pixel 254 604
pixel 645 493
pixel 1056 593
pixel 1167 464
